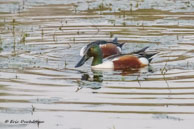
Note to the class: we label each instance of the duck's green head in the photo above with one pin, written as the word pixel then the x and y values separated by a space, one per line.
pixel 90 51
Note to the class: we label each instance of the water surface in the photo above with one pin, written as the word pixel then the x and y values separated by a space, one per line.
pixel 40 43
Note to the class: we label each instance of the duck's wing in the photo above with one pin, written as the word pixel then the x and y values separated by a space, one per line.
pixel 103 42
pixel 149 55
pixel 112 57
pixel 114 41
pixel 139 53
pixel 141 50
pixel 100 42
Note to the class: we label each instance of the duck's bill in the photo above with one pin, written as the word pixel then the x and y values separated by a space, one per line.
pixel 82 61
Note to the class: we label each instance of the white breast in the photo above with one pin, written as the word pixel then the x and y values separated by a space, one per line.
pixel 105 65
pixel 144 61
pixel 119 49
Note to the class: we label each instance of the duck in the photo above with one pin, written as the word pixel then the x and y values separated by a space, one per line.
pixel 134 60
pixel 108 48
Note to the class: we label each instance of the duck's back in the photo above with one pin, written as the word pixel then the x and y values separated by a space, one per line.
pixel 110 49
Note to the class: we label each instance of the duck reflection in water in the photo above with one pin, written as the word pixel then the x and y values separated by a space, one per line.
pixel 127 72
pixel 94 82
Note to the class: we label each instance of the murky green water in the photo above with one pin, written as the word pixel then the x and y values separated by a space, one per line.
pixel 40 42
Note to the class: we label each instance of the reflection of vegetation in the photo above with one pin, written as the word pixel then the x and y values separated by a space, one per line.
pixel 124 24
pixel 75 8
pixel 65 63
pixel 111 34
pixel 163 72
pixel 33 110
pixel 101 7
pixel 139 14
pixel 131 5
pixel 13 27
pixel 54 37
pixel 188 3
pixel 1 42
pixel 42 33
pixel 13 32
pixel 23 39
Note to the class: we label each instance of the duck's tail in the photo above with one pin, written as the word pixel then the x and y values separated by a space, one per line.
pixel 115 41
pixel 149 56
pixel 141 51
